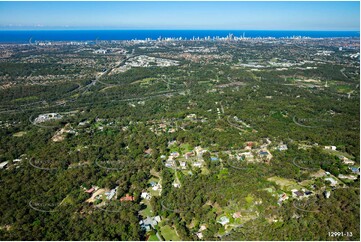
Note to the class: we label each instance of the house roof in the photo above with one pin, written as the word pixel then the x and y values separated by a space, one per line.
pixel 299 193
pixel 152 221
pixel 127 198
pixel 330 179
pixel 237 215
pixel 90 190
pixel 224 219
pixel 148 151
pixel 249 143
pixel 145 195
pixel 203 227
pixel 3 164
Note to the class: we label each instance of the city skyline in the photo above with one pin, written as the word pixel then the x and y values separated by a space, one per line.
pixel 181 15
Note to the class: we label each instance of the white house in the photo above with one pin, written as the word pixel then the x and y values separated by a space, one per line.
pixel 282 147
pixel 3 164
pixel 333 181
pixel 145 195
pixel 223 220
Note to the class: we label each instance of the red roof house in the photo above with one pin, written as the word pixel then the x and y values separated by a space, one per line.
pixel 90 190
pixel 127 198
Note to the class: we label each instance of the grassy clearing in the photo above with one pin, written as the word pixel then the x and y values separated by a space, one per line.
pixel 68 200
pixel 185 148
pixel 22 99
pixel 249 199
pixel 285 184
pixel 19 134
pixel 205 171
pixel 153 238
pixel 147 212
pixel 344 89
pixel 169 233
pixel 336 152
pixel 145 81
pixel 150 189
pixel 174 148
pixel 182 149
pixel 154 173
pixel 223 174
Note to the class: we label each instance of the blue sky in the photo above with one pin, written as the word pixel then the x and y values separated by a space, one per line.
pixel 181 15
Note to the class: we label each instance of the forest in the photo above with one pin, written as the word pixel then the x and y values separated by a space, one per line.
pixel 121 131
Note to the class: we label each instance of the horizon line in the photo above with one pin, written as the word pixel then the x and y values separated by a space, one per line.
pixel 358 30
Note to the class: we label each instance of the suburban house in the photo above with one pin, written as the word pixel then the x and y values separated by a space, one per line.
pixel 199 151
pixel 346 160
pixel 170 143
pixel 282 198
pixel 245 156
pixel 157 187
pixel 199 235
pixel 351 177
pixel 170 163
pixel 183 164
pixel 174 154
pixel 236 215
pixel 296 193
pixel 148 151
pixel 249 144
pixel 327 194
pixel 176 185
pixel 333 181
pixel 282 147
pixel 127 198
pixel 149 222
pixel 265 155
pixel 91 190
pixel 145 195
pixel 223 220
pixel 188 154
pixel 3 164
pixel 111 193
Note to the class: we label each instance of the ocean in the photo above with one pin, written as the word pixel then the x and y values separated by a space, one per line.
pixel 23 36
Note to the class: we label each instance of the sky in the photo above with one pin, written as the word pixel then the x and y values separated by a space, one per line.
pixel 181 15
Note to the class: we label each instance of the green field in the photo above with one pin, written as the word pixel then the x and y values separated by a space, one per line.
pixel 29 98
pixel 145 81
pixel 153 238
pixel 19 134
pixel 285 184
pixel 169 233
pixel 344 88
pixel 185 148
pixel 147 211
